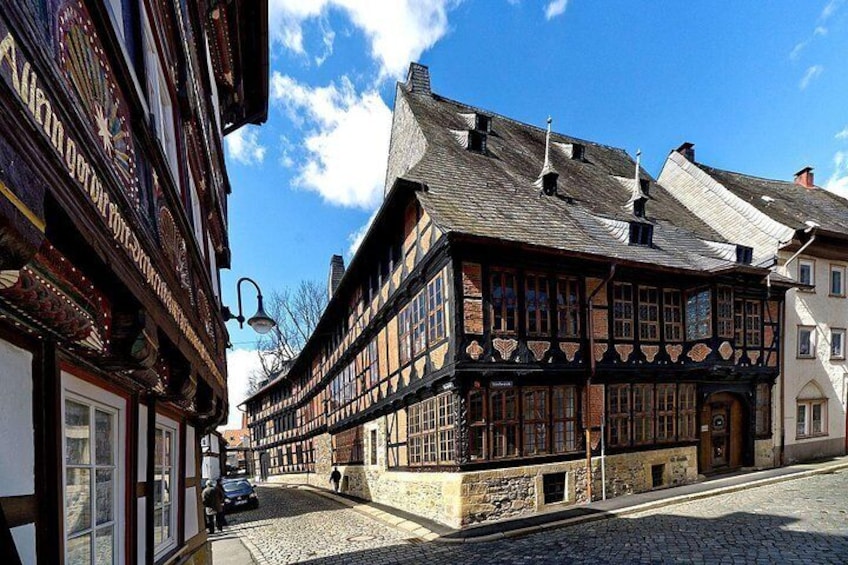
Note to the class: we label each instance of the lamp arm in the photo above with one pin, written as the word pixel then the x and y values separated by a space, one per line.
pixel 240 316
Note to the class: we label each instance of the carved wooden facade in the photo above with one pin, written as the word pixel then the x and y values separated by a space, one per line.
pixel 112 230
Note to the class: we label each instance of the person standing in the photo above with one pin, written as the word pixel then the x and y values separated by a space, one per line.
pixel 210 499
pixel 336 479
pixel 219 509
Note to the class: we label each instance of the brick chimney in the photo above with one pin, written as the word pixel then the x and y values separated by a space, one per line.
pixel 244 420
pixel 804 177
pixel 418 79
pixel 687 150
pixel 337 270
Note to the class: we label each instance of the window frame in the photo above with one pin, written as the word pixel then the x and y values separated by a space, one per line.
pixel 537 323
pixel 687 412
pixel 670 325
pixel 431 431
pixel 503 313
pixel 477 427
pixel 725 312
pixel 841 333
pixel 812 342
pixel 694 319
pixel 621 321
pixel 836 269
pixel 665 406
pixel 566 310
pixel 809 405
pixel 812 266
pixel 534 424
pixel 753 323
pixel 642 403
pixel 500 428
pixel 436 323
pixel 618 397
pixel 167 424
pixel 96 398
pixel 651 311
pixel 567 420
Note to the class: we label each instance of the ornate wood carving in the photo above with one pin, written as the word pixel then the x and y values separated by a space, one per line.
pixel 505 347
pixel 538 348
pixel 650 352
pixel 699 352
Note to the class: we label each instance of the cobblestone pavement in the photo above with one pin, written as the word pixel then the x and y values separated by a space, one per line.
pixel 800 521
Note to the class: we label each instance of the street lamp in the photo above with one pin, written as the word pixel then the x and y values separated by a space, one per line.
pixel 261 322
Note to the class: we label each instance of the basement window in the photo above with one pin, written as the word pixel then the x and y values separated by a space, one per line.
pixel 477 141
pixel 641 234
pixel 657 472
pixel 553 486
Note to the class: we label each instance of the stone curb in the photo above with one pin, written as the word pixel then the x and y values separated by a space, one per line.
pixel 643 507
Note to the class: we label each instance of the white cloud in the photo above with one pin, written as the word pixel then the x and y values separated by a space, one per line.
pixel 811 74
pixel 820 30
pixel 829 9
pixel 243 146
pixel 355 239
pixel 838 181
pixel 795 54
pixel 842 134
pixel 555 8
pixel 346 139
pixel 398 30
pixel 241 364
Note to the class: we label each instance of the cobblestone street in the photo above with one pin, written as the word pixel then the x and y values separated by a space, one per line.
pixel 799 521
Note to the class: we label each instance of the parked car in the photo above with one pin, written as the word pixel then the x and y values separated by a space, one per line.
pixel 239 493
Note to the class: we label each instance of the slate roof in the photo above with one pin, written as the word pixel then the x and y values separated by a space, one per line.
pixel 492 195
pixel 792 204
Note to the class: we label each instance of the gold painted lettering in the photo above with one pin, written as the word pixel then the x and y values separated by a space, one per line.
pixel 71 156
pixel 9 54
pixel 41 102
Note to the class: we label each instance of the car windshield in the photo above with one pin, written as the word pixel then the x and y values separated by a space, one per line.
pixel 236 485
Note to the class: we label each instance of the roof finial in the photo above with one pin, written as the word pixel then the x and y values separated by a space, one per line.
pixel 636 194
pixel 547 168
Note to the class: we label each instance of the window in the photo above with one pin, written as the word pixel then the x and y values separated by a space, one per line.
pixel 419 323
pixel 641 234
pixel 673 315
pixel 504 302
pixel 477 141
pixel 698 315
pixel 436 309
pixel 373 367
pixel 763 410
pixel 348 447
pixel 503 428
pixel 643 413
pixel 564 409
pixel 482 123
pixel 724 311
pixel 93 441
pixel 431 432
pixel 688 401
pixel 553 487
pixel 622 310
pixel 535 420
pixel 837 343
pixel 739 322
pixel 476 425
pixel 164 485
pixel 649 313
pixel 811 412
pixel 666 404
pixel 536 304
pixel 806 272
pixel 837 280
pixel 753 323
pixel 373 446
pixel 618 409
pixel 744 254
pixel 568 307
pixel 806 342
pixel 405 332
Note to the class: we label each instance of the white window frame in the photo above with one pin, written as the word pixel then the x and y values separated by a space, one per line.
pixel 837 335
pixel 812 341
pixel 807 430
pixel 812 265
pixel 78 390
pixel 165 423
pixel 841 270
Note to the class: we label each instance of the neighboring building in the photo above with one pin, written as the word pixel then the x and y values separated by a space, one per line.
pixel 493 311
pixel 803 231
pixel 237 447
pixel 113 226
pixel 213 456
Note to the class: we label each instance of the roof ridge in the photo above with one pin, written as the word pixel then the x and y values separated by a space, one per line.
pixel 737 173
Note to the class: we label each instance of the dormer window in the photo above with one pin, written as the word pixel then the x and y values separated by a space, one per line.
pixel 482 123
pixel 578 151
pixel 645 186
pixel 744 255
pixel 639 208
pixel 549 183
pixel 477 141
pixel 641 234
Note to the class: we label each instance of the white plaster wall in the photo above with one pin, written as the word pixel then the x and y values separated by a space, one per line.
pixel 191 525
pixel 142 529
pixel 142 442
pixel 814 308
pixel 191 447
pixel 24 537
pixel 16 427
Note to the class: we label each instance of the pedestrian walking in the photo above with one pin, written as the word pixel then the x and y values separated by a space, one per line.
pixel 336 479
pixel 219 510
pixel 210 498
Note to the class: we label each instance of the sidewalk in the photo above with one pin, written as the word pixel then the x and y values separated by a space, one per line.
pixel 428 530
pixel 228 549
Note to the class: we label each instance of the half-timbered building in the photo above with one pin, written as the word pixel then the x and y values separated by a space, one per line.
pixel 522 293
pixel 113 228
pixel 802 230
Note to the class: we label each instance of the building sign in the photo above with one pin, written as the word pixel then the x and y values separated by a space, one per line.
pixel 500 384
pixel 23 79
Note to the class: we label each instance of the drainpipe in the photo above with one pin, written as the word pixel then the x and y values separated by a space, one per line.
pixel 590 327
pixel 782 442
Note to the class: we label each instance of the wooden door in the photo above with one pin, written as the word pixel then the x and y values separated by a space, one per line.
pixel 722 433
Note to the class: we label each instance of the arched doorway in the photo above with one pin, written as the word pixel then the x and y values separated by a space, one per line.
pixel 722 433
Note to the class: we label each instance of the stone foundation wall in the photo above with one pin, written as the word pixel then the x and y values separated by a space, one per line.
pixel 814 449
pixel 763 453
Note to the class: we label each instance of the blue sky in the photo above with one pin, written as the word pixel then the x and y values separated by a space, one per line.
pixel 759 87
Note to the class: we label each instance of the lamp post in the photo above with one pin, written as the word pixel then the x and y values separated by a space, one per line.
pixel 261 322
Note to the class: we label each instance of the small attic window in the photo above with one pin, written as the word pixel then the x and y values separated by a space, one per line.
pixel 641 234
pixel 477 141
pixel 549 184
pixel 744 255
pixel 645 185
pixel 578 151
pixel 639 208
pixel 482 123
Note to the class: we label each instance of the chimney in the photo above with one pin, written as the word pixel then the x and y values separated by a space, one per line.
pixel 804 177
pixel 244 420
pixel 418 79
pixel 687 150
pixel 337 269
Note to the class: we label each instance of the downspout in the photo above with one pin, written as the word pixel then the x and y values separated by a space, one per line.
pixel 782 442
pixel 590 327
